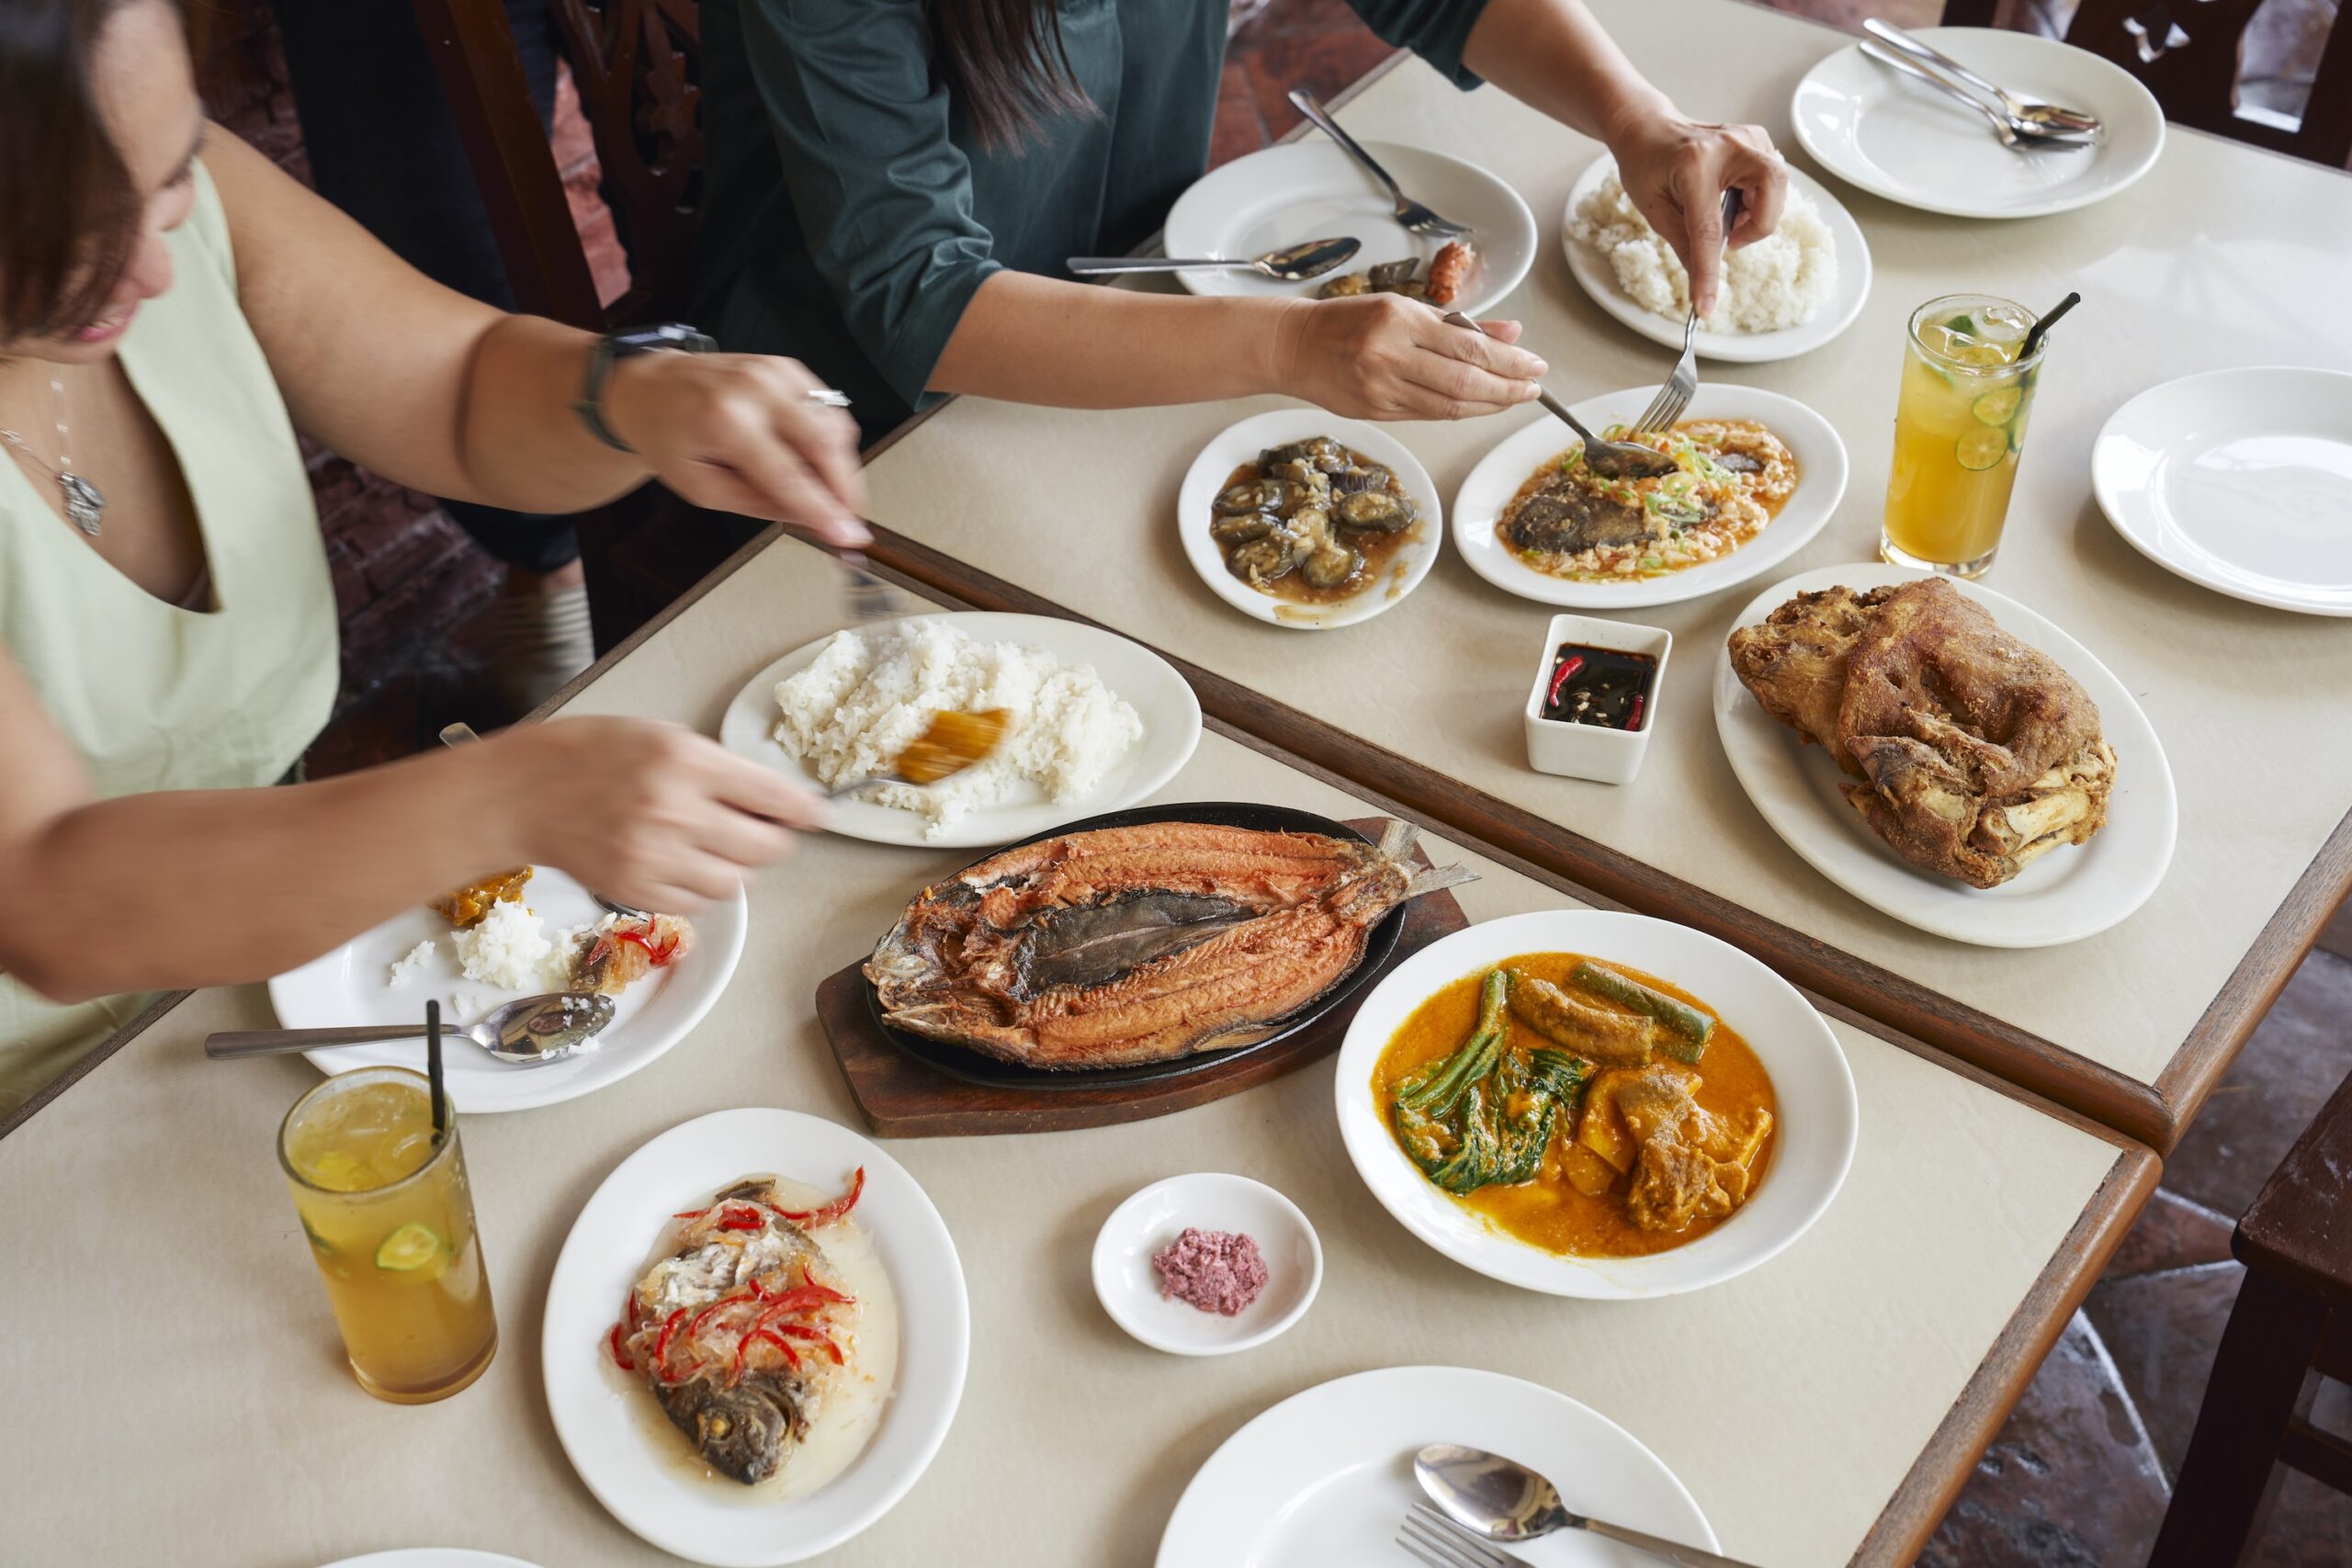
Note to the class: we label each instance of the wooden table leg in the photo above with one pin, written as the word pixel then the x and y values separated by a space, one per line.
pixel 2227 1478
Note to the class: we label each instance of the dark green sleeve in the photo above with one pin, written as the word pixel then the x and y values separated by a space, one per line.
pixel 1437 30
pixel 883 195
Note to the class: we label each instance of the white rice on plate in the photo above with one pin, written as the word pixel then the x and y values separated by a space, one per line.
pixel 870 694
pixel 1780 281
pixel 509 948
pixel 407 966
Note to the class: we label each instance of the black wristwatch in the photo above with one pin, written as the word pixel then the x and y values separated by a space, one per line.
pixel 669 338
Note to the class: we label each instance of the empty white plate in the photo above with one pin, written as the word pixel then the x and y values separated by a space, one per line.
pixel 1326 1477
pixel 2240 481
pixel 348 987
pixel 1593 274
pixel 432 1556
pixel 1311 190
pixel 1129 1286
pixel 1171 728
pixel 2070 893
pixel 1819 1114
pixel 1897 137
pixel 1821 484
pixel 639 1465
pixel 1240 444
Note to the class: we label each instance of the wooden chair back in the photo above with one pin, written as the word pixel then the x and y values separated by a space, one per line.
pixel 636 65
pixel 2188 51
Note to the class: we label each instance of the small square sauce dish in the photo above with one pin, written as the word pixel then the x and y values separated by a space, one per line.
pixel 1609 671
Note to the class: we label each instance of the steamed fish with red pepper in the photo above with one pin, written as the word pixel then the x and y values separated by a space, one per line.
pixel 747 1330
pixel 1125 945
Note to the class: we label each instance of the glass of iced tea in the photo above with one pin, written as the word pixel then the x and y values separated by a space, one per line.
pixel 1959 429
pixel 391 1221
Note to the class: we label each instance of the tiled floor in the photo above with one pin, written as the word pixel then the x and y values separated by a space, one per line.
pixel 2080 1475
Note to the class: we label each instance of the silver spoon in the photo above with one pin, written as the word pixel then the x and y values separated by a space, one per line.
pixel 1610 459
pixel 1292 264
pixel 462 734
pixel 530 1031
pixel 2049 118
pixel 1491 1496
pixel 2017 135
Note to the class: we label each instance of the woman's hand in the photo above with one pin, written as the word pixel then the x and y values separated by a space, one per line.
pixel 1676 171
pixel 648 814
pixel 1385 356
pixel 738 433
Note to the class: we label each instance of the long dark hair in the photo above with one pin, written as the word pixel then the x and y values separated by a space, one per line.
pixel 69 214
pixel 1005 62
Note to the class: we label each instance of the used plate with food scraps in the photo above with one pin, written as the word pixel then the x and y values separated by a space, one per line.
pixel 2066 894
pixel 1169 713
pixel 1478 508
pixel 1833 314
pixel 1397 572
pixel 1816 1114
pixel 640 1465
pixel 351 985
pixel 1304 190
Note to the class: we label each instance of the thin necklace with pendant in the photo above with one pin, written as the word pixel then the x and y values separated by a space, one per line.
pixel 83 506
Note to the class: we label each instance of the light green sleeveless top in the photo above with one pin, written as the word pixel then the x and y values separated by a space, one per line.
pixel 154 696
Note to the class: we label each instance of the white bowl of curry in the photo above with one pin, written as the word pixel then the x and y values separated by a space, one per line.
pixel 1594 1104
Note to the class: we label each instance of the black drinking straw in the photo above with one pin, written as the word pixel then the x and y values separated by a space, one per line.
pixel 433 1070
pixel 2033 337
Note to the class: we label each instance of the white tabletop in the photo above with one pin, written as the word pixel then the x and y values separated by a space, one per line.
pixel 173 1391
pixel 2221 256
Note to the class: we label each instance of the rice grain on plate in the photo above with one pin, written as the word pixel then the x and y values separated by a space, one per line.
pixel 510 949
pixel 1779 282
pixel 870 694
pixel 406 967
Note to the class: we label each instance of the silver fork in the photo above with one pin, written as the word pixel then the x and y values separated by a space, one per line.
pixel 2024 113
pixel 1437 1540
pixel 1675 396
pixel 870 598
pixel 1410 213
pixel 2017 135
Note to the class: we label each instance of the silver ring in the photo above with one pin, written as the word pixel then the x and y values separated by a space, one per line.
pixel 825 396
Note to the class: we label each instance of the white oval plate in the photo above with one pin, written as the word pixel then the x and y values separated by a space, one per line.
pixel 1326 1476
pixel 1592 273
pixel 1821 484
pixel 1311 190
pixel 1171 728
pixel 432 1556
pixel 1128 1286
pixel 1820 1116
pixel 347 987
pixel 629 1455
pixel 1896 137
pixel 2240 481
pixel 2067 894
pixel 1240 443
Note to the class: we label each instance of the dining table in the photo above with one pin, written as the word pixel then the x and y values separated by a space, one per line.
pixel 2220 256
pixel 165 1343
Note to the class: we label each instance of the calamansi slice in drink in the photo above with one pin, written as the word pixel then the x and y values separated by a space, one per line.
pixel 1998 407
pixel 415 1250
pixel 1981 447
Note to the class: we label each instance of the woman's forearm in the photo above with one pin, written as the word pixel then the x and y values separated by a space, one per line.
pixel 522 443
pixel 1042 340
pixel 199 888
pixel 1553 56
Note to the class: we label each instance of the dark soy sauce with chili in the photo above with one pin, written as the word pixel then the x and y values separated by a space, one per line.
pixel 1599 685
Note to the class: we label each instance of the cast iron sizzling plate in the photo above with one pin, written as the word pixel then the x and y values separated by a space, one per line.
pixel 972 1068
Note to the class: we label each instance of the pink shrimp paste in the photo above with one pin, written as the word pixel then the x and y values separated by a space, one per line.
pixel 1218 1271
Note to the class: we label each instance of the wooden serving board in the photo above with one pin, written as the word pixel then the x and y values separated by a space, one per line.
pixel 900 1097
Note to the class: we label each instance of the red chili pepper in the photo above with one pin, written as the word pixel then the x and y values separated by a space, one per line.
pixel 722 1303
pixel 1568 665
pixel 743 1219
pixel 690 1214
pixel 662 1345
pixel 827 1214
pixel 620 1355
pixel 596 951
pixel 799 1331
pixel 791 1356
pixel 806 1296
pixel 1634 714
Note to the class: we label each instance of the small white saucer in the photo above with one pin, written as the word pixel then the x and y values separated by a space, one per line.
pixel 1129 1286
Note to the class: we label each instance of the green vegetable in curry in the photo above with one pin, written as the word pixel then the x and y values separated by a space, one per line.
pixel 1484 1115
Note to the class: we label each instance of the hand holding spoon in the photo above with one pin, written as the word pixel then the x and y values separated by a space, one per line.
pixel 530 1031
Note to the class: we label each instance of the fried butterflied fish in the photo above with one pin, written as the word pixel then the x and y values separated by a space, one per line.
pixel 1975 753
pixel 1136 944
pixel 745 1331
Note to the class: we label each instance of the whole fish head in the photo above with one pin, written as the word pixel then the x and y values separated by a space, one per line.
pixel 740 1431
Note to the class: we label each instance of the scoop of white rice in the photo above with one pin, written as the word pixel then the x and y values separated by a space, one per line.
pixel 870 694
pixel 406 967
pixel 1780 281
pixel 510 949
